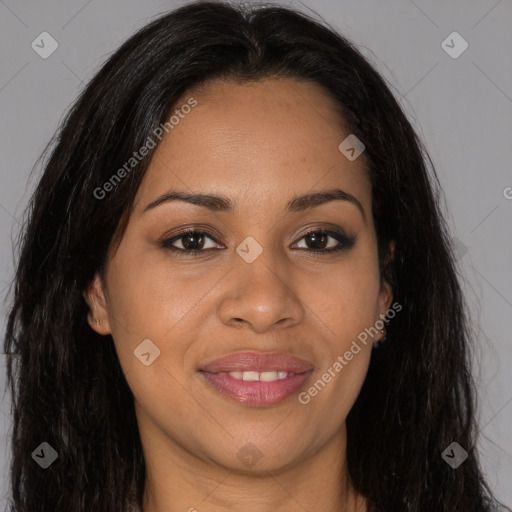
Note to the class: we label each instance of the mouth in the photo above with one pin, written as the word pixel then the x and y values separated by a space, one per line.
pixel 257 379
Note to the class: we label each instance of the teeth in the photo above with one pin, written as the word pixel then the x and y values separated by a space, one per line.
pixel 266 376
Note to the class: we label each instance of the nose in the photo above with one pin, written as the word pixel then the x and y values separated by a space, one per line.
pixel 261 296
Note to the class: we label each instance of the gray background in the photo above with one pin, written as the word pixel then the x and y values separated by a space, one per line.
pixel 461 108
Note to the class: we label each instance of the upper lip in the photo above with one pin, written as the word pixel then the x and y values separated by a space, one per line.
pixel 259 362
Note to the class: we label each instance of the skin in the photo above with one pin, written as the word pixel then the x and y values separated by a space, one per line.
pixel 258 144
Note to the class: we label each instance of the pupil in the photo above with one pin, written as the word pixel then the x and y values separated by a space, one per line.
pixel 188 241
pixel 315 238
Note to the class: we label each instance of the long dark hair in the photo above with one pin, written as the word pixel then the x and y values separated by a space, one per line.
pixel 68 388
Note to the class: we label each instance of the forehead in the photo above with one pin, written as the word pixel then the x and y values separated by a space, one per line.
pixel 256 140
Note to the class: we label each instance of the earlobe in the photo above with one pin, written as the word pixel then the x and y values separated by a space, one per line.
pixel 392 246
pixel 386 298
pixel 94 296
pixel 386 287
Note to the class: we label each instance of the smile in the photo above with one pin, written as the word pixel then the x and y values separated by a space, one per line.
pixel 257 379
pixel 255 391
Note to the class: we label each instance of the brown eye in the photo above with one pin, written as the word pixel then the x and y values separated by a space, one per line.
pixel 317 240
pixel 322 241
pixel 192 242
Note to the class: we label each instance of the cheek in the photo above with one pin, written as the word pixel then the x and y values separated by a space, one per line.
pixel 346 297
pixel 152 299
pixel 346 302
pixel 148 294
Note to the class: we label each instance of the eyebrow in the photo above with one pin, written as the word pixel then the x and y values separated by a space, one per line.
pixel 224 204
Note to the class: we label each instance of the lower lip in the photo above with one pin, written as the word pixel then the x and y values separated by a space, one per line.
pixel 257 393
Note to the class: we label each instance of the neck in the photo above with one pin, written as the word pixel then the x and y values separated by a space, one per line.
pixel 176 480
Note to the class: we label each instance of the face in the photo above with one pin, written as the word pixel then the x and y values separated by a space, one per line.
pixel 281 285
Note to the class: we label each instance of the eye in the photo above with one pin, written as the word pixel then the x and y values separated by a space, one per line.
pixel 191 241
pixel 320 241
pixel 194 242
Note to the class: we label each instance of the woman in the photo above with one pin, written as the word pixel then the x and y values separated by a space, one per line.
pixel 235 288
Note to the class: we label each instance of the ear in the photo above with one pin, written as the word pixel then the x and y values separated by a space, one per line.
pixel 386 292
pixel 98 317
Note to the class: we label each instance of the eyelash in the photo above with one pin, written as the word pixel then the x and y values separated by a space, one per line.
pixel 345 242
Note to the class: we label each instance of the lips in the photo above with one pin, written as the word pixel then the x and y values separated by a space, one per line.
pixel 257 379
pixel 258 362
